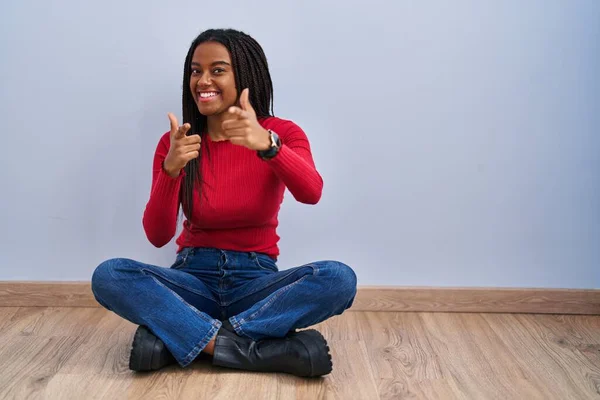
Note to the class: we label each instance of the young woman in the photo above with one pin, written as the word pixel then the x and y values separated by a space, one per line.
pixel 227 168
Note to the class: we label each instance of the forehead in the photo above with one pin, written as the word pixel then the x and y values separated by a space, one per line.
pixel 209 52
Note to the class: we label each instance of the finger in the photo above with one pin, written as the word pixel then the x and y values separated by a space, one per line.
pixel 235 124
pixel 240 132
pixel 174 123
pixel 183 130
pixel 244 102
pixel 191 155
pixel 238 141
pixel 191 139
pixel 238 112
pixel 189 148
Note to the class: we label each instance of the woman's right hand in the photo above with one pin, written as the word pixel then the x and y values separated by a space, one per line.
pixel 182 149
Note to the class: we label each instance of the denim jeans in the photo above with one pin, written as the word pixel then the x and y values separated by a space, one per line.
pixel 184 304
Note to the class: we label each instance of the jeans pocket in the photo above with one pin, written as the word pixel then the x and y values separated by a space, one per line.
pixel 265 262
pixel 181 259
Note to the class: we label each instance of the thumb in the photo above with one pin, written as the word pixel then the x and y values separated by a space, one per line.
pixel 244 101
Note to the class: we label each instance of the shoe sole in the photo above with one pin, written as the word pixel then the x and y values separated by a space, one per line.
pixel 318 350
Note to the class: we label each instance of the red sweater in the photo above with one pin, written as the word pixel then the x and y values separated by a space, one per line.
pixel 241 194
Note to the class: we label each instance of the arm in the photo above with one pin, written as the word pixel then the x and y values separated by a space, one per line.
pixel 160 216
pixel 295 166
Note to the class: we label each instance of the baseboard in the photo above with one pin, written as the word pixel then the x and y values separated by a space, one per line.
pixel 369 298
pixel 482 300
pixel 46 294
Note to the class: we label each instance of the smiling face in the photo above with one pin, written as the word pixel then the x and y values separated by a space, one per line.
pixel 212 81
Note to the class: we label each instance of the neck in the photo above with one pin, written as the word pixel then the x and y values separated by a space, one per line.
pixel 214 127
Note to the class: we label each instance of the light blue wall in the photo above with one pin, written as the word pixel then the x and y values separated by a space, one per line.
pixel 458 140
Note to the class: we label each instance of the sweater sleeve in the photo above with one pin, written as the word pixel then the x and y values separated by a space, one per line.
pixel 160 215
pixel 295 165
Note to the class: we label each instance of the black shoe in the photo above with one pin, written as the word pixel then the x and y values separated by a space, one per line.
pixel 148 353
pixel 303 353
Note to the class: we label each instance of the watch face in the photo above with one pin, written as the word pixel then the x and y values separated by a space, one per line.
pixel 275 142
pixel 274 149
pixel 272 136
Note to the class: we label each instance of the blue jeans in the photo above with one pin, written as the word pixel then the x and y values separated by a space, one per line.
pixel 184 305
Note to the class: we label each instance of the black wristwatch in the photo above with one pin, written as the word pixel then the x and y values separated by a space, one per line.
pixel 273 150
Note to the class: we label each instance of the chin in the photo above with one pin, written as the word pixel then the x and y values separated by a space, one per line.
pixel 208 111
pixel 212 111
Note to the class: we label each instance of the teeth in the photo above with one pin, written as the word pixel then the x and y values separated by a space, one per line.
pixel 209 94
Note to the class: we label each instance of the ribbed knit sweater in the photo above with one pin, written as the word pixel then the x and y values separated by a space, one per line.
pixel 241 193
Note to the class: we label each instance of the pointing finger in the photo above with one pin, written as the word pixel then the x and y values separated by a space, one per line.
pixel 174 123
pixel 238 112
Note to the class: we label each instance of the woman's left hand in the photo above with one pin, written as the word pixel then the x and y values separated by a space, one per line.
pixel 243 129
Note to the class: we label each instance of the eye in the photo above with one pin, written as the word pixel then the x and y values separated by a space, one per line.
pixel 196 72
pixel 218 71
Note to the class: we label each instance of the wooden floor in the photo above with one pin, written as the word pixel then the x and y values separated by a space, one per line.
pixel 82 353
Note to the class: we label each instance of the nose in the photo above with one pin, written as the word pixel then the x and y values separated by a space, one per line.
pixel 204 81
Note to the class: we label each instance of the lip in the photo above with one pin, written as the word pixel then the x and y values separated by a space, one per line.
pixel 207 99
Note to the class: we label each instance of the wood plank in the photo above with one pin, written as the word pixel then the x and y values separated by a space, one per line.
pixel 52 321
pixel 475 361
pixel 30 362
pixel 532 359
pixel 24 321
pixel 342 327
pixel 369 298
pixel 561 340
pixel 217 383
pixel 106 350
pixel 387 355
pixel 344 336
pixel 351 378
pixel 99 367
pixel 6 317
pixel 399 354
pixel 78 386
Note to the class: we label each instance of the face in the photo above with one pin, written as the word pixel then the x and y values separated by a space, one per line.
pixel 211 79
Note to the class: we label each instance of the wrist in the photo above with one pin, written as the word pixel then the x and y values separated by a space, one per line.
pixel 265 143
pixel 273 148
pixel 173 173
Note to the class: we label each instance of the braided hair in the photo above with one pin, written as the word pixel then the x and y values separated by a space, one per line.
pixel 250 70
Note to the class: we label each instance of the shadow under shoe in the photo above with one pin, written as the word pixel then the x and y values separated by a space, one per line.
pixel 303 353
pixel 148 352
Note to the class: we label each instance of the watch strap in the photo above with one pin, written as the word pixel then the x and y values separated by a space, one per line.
pixel 273 150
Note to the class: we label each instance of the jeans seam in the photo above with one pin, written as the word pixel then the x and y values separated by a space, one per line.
pixel 166 278
pixel 276 295
pixel 195 310
pixel 256 260
pixel 229 303
pixel 216 324
pixel 191 356
pixel 237 327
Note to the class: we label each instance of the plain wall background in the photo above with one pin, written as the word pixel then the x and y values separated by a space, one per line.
pixel 459 141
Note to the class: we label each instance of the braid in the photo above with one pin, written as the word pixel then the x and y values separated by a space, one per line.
pixel 251 70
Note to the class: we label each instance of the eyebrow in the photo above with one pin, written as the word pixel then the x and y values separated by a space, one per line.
pixel 213 64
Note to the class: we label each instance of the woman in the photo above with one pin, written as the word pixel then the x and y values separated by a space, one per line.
pixel 227 167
